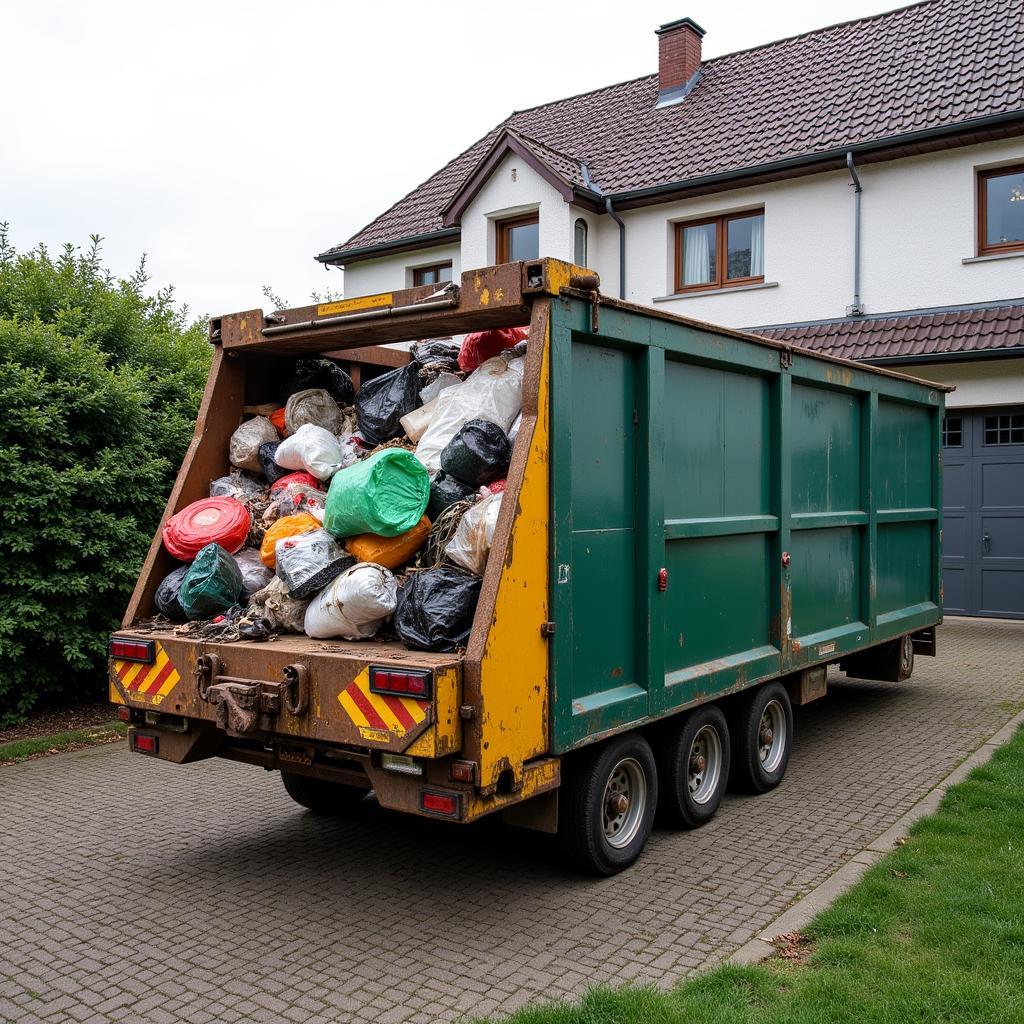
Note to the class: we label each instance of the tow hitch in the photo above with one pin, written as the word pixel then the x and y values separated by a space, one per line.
pixel 244 707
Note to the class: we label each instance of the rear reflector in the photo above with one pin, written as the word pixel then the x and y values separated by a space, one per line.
pixel 440 803
pixel 124 713
pixel 124 649
pixel 144 744
pixel 462 771
pixel 401 682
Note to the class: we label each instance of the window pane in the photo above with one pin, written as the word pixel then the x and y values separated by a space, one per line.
pixel 523 242
pixel 746 247
pixel 444 273
pixel 425 275
pixel 1004 211
pixel 699 255
pixel 952 432
pixel 580 243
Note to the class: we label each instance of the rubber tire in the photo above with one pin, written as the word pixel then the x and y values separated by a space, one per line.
pixel 676 807
pixel 322 797
pixel 580 824
pixel 748 774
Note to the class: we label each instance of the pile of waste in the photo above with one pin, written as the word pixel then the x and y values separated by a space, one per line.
pixel 352 515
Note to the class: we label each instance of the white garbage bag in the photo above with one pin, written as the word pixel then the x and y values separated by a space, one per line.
pixel 355 605
pixel 471 544
pixel 313 449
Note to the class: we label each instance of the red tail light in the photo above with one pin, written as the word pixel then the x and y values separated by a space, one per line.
pixel 124 713
pixel 401 682
pixel 144 744
pixel 124 649
pixel 440 803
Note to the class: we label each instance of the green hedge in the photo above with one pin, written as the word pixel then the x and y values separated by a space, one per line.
pixel 99 388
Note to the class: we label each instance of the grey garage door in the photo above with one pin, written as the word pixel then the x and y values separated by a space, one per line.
pixel 983 512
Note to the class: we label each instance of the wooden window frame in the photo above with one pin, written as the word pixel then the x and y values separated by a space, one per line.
pixel 504 227
pixel 418 272
pixel 721 223
pixel 981 208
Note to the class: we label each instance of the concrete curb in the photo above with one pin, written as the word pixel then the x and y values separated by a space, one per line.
pixel 800 914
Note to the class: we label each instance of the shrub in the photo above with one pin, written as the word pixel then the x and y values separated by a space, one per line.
pixel 99 388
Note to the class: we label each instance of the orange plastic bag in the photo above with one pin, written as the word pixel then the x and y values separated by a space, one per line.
pixel 389 551
pixel 277 418
pixel 286 526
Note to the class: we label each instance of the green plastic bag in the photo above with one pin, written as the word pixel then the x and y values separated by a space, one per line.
pixel 385 494
pixel 212 583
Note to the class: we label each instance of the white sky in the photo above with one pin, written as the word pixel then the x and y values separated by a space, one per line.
pixel 232 141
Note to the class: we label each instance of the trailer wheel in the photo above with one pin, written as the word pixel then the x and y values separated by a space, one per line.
pixel 608 804
pixel 762 736
pixel 693 768
pixel 322 797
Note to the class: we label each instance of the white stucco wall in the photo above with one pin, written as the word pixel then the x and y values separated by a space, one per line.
pixel 380 275
pixel 983 382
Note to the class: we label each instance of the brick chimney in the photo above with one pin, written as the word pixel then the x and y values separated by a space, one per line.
pixel 678 55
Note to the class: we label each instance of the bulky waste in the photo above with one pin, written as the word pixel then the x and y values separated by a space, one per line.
pixel 352 514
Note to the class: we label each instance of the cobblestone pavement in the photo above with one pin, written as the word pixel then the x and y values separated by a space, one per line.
pixel 134 890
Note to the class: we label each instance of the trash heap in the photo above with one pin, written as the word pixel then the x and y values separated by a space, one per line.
pixel 355 515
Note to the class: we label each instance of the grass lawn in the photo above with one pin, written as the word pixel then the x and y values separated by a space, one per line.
pixel 933 932
pixel 36 746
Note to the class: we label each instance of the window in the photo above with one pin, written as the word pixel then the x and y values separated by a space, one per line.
pixel 579 243
pixel 1005 428
pixel 953 432
pixel 519 239
pixel 720 252
pixel 1001 210
pixel 432 275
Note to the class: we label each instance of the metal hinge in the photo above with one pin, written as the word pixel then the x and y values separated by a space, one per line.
pixel 785 359
pixel 547 629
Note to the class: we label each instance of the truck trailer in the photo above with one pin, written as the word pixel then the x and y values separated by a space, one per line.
pixel 697 523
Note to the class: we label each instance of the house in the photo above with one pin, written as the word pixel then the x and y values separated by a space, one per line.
pixel 858 189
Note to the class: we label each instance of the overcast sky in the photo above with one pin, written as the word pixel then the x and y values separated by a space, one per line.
pixel 232 141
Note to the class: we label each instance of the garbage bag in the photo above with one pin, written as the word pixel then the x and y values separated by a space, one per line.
pixel 212 583
pixel 286 526
pixel 494 487
pixel 471 544
pixel 313 406
pixel 313 449
pixel 237 485
pixel 295 478
pixel 300 498
pixel 271 470
pixel 255 575
pixel 309 561
pixel 445 490
pixel 383 401
pixel 434 351
pixel 386 494
pixel 319 373
pixel 440 383
pixel 244 446
pixel 355 605
pixel 435 608
pixel 480 346
pixel 166 597
pixel 494 392
pixel 277 418
pixel 222 520
pixel 416 422
pixel 389 551
pixel 478 453
pixel 274 603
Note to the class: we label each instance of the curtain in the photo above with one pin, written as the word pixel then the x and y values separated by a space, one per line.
pixel 697 254
pixel 757 247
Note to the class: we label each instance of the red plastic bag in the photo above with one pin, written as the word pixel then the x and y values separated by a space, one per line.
pixel 306 479
pixel 479 347
pixel 223 521
pixel 277 418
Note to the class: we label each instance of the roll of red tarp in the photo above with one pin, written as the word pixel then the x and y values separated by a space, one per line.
pixel 223 521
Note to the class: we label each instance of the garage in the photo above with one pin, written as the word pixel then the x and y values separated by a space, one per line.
pixel 983 512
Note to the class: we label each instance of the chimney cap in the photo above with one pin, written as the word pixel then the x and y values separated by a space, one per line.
pixel 670 26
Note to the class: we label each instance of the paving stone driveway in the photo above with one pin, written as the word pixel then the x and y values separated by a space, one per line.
pixel 133 890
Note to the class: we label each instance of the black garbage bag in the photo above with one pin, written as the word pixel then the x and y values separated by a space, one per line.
pixel 479 453
pixel 319 373
pixel 166 596
pixel 383 401
pixel 435 608
pixel 445 491
pixel 271 470
pixel 307 562
pixel 427 353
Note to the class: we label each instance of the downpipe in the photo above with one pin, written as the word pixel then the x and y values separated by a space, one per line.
pixel 856 309
pixel 610 210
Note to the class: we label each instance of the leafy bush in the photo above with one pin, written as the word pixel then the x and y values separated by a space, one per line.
pixel 99 388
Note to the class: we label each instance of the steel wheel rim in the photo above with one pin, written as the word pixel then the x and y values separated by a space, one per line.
pixel 704 764
pixel 626 781
pixel 771 736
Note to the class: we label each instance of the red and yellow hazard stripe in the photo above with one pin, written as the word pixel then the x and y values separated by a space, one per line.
pixel 152 682
pixel 378 716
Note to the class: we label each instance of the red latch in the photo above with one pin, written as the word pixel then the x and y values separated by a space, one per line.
pixel 663 580
pixel 785 558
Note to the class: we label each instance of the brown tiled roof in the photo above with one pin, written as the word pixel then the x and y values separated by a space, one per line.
pixel 911 334
pixel 934 64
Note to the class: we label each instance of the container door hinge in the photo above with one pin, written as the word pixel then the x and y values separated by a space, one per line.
pixel 467 712
pixel 547 629
pixel 785 359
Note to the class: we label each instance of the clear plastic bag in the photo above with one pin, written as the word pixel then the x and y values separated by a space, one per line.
pixel 355 605
pixel 244 446
pixel 308 562
pixel 274 603
pixel 313 406
pixel 237 485
pixel 255 575
pixel 471 544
